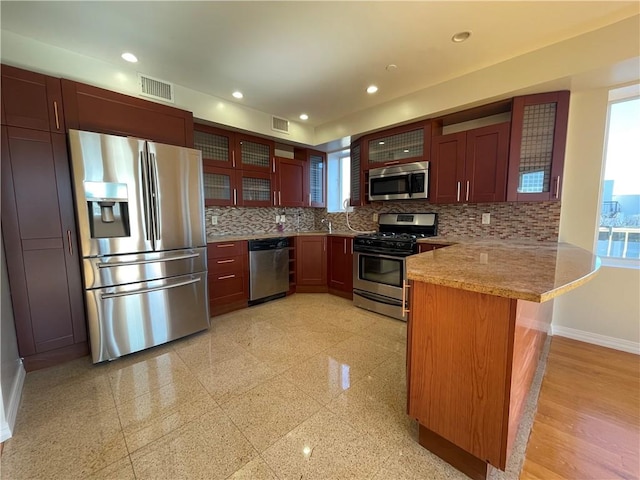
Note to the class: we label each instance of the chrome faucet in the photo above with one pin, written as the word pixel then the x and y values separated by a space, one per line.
pixel 328 222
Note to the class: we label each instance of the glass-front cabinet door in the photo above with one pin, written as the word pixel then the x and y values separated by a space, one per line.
pixel 219 185
pixel 317 179
pixel 536 154
pixel 410 143
pixel 216 145
pixel 255 189
pixel 255 153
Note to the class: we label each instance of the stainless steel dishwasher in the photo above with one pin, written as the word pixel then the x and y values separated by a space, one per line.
pixel 268 269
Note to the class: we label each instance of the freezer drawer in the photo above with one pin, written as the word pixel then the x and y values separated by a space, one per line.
pixel 133 317
pixel 141 267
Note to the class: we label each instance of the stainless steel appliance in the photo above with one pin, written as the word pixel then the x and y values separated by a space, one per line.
pixel 399 182
pixel 379 261
pixel 140 211
pixel 268 269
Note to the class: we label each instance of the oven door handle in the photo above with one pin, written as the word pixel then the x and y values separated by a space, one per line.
pixel 382 254
pixel 394 302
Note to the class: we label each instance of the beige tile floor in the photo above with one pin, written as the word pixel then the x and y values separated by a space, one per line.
pixel 306 387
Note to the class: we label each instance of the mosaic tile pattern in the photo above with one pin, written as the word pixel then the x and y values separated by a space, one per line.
pixel 244 221
pixel 533 220
pixel 516 220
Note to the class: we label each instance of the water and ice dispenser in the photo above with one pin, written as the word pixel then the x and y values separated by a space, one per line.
pixel 108 209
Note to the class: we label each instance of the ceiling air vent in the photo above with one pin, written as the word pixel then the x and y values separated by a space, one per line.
pixel 155 88
pixel 280 125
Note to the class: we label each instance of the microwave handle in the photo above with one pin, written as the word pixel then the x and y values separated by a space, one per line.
pixel 410 185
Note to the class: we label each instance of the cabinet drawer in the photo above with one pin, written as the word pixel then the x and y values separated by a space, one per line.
pixel 223 265
pixel 226 249
pixel 227 286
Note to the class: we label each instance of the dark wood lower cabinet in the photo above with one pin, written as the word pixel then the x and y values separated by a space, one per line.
pixel 228 277
pixel 340 266
pixel 39 236
pixel 311 263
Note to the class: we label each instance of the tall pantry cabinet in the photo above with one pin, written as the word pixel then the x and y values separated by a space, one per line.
pixel 38 225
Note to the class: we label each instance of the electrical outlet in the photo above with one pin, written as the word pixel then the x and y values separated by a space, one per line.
pixel 486 218
pixel 214 220
pixel 375 217
pixel 277 218
pixel 282 218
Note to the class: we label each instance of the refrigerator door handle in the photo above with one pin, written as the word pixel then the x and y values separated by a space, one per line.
pixel 106 296
pixel 148 234
pixel 142 262
pixel 154 192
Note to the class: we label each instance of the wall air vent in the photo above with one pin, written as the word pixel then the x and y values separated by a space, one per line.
pixel 280 124
pixel 155 88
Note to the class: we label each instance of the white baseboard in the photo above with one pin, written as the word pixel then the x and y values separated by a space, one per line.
pixel 14 402
pixel 597 339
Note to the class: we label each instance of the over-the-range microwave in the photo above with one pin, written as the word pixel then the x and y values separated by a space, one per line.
pixel 408 181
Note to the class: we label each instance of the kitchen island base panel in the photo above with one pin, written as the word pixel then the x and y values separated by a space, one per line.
pixel 452 454
pixel 472 358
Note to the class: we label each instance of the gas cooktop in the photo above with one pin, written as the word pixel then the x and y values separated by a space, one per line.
pixel 398 233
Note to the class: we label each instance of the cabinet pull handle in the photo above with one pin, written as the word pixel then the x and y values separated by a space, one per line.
pixel 392 163
pixel 351 246
pixel 345 245
pixel 557 186
pixel 225 245
pixel 233 158
pixel 274 198
pixel 324 244
pixel 273 162
pixel 235 196
pixel 309 199
pixel 55 111
pixel 467 196
pixel 405 286
pixel 458 194
pixel 70 244
pixel 226 261
pixel 226 276
pixel 279 197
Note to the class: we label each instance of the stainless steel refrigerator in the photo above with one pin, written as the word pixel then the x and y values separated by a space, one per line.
pixel 140 212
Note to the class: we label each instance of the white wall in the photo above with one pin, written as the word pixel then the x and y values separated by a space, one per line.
pixel 606 310
pixel 12 372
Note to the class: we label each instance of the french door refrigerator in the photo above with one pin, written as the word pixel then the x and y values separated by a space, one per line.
pixel 140 212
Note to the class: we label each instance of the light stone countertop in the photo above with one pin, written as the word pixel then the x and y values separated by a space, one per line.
pixel 520 269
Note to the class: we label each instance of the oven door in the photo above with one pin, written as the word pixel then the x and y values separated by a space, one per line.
pixel 379 274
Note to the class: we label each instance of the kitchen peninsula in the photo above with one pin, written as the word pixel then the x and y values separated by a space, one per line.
pixel 480 313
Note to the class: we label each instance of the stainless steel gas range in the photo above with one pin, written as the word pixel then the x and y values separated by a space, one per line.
pixel 379 270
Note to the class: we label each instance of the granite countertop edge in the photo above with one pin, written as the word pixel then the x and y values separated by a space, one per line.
pixel 518 269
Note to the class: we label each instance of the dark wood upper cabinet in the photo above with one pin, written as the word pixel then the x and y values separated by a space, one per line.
pixel 98 110
pixel 470 166
pixel 255 189
pixel 219 185
pixel 31 100
pixel 538 140
pixel 217 145
pixel 291 185
pixel 408 143
pixel 358 181
pixel 254 153
pixel 315 176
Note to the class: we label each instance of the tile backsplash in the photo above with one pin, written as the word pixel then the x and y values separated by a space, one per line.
pixel 533 220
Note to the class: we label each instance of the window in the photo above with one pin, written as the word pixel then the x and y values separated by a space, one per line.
pixel 338 181
pixel 618 240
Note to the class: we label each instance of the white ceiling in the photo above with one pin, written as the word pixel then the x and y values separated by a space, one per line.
pixel 312 57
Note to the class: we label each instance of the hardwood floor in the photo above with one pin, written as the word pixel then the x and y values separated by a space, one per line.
pixel 587 425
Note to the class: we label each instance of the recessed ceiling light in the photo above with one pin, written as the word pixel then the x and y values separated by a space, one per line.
pixel 304 116
pixel 237 94
pixel 129 57
pixel 391 67
pixel 372 89
pixel 460 37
